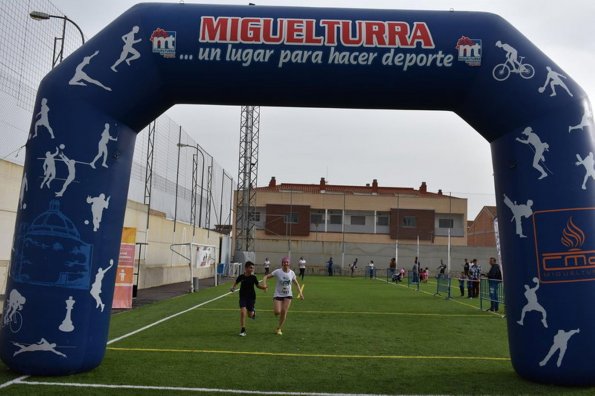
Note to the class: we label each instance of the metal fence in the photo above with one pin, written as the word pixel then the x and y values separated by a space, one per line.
pixel 192 175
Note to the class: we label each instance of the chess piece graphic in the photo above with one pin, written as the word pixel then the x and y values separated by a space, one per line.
pixel 67 325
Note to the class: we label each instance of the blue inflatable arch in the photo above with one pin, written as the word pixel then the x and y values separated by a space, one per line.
pixel 90 108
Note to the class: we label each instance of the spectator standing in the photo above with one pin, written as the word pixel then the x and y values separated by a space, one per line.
pixel 442 270
pixel 494 280
pixel 371 268
pixel 466 268
pixel 267 266
pixel 392 268
pixel 415 271
pixel 462 279
pixel 474 273
pixel 329 265
pixel 302 265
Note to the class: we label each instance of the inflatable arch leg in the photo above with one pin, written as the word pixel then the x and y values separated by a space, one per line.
pixel 89 109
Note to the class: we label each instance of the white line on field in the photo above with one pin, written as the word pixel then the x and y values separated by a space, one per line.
pixel 187 389
pixel 20 380
pixel 14 381
pixel 165 319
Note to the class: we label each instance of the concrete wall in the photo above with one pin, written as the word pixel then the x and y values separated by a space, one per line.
pixel 11 176
pixel 318 253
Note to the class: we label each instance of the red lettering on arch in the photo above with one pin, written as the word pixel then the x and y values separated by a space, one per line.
pixel 397 34
pixel 212 30
pixel 250 30
pixel 421 33
pixel 375 34
pixel 331 30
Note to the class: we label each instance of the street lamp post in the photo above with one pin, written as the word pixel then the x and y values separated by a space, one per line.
pixel 41 16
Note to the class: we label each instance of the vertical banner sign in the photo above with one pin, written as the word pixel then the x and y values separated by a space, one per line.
pixel 125 271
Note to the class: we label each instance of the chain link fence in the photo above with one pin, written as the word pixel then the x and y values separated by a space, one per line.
pixel 26 55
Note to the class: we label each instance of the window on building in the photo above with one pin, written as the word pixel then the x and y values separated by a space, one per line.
pixel 316 218
pixel 409 222
pixel 335 217
pixel 382 218
pixel 358 220
pixel 292 218
pixel 445 223
pixel 254 215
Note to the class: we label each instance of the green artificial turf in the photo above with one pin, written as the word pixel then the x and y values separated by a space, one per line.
pixel 349 335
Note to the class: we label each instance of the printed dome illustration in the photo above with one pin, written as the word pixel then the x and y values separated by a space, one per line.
pixel 53 222
pixel 53 241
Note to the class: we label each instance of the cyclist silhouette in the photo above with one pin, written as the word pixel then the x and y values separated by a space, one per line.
pixel 12 316
pixel 511 53
pixel 512 65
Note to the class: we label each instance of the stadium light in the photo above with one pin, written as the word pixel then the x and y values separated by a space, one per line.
pixel 42 16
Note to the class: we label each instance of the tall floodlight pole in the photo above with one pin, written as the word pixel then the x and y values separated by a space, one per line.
pixel 42 16
pixel 247 178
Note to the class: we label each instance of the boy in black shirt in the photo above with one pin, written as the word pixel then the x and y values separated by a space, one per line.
pixel 247 294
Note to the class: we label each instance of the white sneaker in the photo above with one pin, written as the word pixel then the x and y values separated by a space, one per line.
pixel 243 334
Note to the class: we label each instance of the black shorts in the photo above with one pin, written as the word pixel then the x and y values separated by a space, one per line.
pixel 283 298
pixel 248 303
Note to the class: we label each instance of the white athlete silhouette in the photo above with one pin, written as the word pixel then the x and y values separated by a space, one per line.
pixel 589 163
pixel 102 147
pixel 96 286
pixel 122 275
pixel 128 49
pixel 98 204
pixel 42 345
pixel 511 53
pixel 587 115
pixel 560 343
pixel 14 304
pixel 554 79
pixel 24 187
pixel 80 77
pixel 44 120
pixel 49 168
pixel 518 212
pixel 533 304
pixel 538 147
pixel 71 165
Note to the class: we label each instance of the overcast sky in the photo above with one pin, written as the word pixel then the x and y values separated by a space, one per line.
pixel 399 148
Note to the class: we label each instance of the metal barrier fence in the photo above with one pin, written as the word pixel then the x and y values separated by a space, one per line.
pixel 492 294
pixel 443 284
pixel 413 279
pixel 369 272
